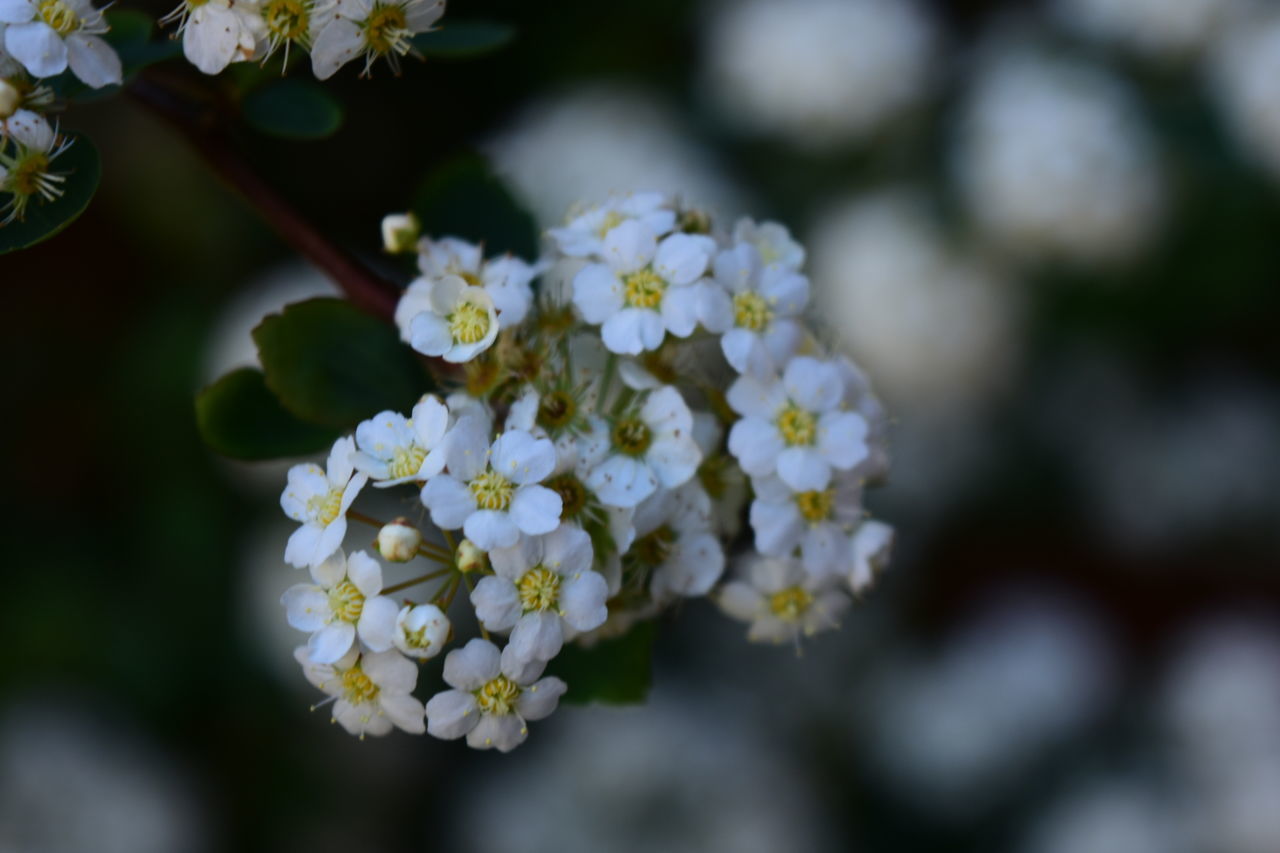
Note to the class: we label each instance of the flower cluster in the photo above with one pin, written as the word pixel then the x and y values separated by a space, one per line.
pixel 594 464
pixel 216 33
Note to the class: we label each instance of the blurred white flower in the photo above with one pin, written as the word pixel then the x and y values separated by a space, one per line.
pixel 1245 75
pixel 1156 28
pixel 1054 162
pixel 594 142
pixel 819 72
pixel 1110 816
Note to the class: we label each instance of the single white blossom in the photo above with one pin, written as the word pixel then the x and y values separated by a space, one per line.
pixel 394 449
pixel 371 691
pixel 650 447
pixel 421 631
pixel 584 235
pixel 342 604
pixel 320 498
pixel 815 521
pixel 374 29
pixel 216 33
pixel 447 317
pixel 494 696
pixel 26 171
pixel 773 241
pixel 675 540
pixel 398 541
pixel 782 601
pixel 507 279
pixel 48 36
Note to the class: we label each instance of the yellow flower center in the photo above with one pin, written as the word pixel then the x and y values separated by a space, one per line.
pixel 652 549
pixel 816 506
pixel 416 639
pixel 539 589
pixel 573 494
pixel 406 461
pixel 632 436
pixel 643 289
pixel 469 323
pixel 751 311
pixel 797 426
pixel 287 20
pixel 59 16
pixel 791 603
pixel 358 687
pixel 346 602
pixel 492 491
pixel 385 31
pixel 611 220
pixel 325 508
pixel 498 697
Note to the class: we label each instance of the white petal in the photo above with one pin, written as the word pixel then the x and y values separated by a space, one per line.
pixel 331 642
pixel 757 445
pixel 450 501
pixel 336 45
pixel 683 258
pixel 629 246
pixel 632 331
pixel 597 293
pixel 472 666
pixel 93 61
pixel 390 670
pixel 535 510
pixel 582 601
pixel 451 714
pixel 803 469
pixel 680 310
pixel 330 571
pixel 519 669
pixel 38 47
pixel 491 528
pixel 16 11
pixel 365 573
pixel 377 625
pixel 539 700
pixel 430 334
pixel 777 527
pixel 740 600
pixel 567 549
pixel 622 481
pixel 496 602
pixel 521 458
pixel 813 385
pixel 842 438
pixel 674 462
pixel 503 733
pixel 753 398
pixel 405 711
pixel 306 607
pixel 537 636
pixel 302 546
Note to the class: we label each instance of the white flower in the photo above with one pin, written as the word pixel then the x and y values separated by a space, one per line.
pixel 400 233
pixel 648 448
pixel 26 171
pixel 674 541
pixel 320 500
pixel 216 33
pixel 447 317
pixel 794 425
pixel 20 103
pixel 773 241
pixel 494 696
pixel 398 541
pixel 757 314
pixel 869 549
pixel 642 291
pixel 542 590
pixel 584 236
pixel 421 631
pixel 1245 72
pixel 370 28
pixel 342 604
pixel 781 601
pixel 816 521
pixel 492 492
pixel 47 36
pixel 370 690
pixel 506 279
pixel 395 449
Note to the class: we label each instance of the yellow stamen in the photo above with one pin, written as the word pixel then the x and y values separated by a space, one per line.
pixel 791 603
pixel 797 426
pixel 492 491
pixel 643 289
pixel 539 589
pixel 498 697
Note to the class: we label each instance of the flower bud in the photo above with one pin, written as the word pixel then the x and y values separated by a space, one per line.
pixel 421 631
pixel 10 99
pixel 400 232
pixel 399 541
pixel 469 557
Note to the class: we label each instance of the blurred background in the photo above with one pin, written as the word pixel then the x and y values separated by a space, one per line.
pixel 1050 233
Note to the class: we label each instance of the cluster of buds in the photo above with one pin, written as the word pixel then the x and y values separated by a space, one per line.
pixel 607 439
pixel 216 33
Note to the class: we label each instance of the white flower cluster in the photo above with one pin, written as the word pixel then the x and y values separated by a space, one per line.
pixel 216 33
pixel 593 467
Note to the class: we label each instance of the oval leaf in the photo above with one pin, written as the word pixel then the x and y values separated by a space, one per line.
pixel 612 672
pixel 464 39
pixel 465 199
pixel 293 109
pixel 82 168
pixel 238 416
pixel 332 365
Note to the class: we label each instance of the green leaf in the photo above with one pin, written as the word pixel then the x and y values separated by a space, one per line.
pixel 293 109
pixel 43 219
pixel 332 365
pixel 613 672
pixel 463 198
pixel 239 417
pixel 464 39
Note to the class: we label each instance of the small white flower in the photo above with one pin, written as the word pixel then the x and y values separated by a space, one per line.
pixel 398 541
pixel 449 318
pixel 773 241
pixel 342 604
pixel 494 696
pixel 648 448
pixel 781 601
pixel 869 547
pixel 674 540
pixel 26 171
pixel 757 313
pixel 794 425
pixel 20 105
pixel 584 236
pixel 492 492
pixel 320 500
pixel 395 449
pixel 543 590
pixel 643 291
pixel 816 521
pixel 216 33
pixel 47 36
pixel 374 29
pixel 421 631
pixel 506 279
pixel 370 690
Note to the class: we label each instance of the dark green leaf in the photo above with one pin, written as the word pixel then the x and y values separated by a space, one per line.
pixel 612 672
pixel 335 366
pixel 43 219
pixel 459 39
pixel 293 109
pixel 239 417
pixel 465 199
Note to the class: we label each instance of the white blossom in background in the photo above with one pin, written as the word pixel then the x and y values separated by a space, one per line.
pixel 675 539
pixel 1121 815
pixel 782 601
pixel 583 235
pixel 871 545
pixel 816 521
pixel 369 29
pixel 1161 29
pixel 819 73
pixel 1244 73
pixel 1054 161
pixel 320 498
pixel 216 33
pixel 340 606
pixel 371 692
pixel 49 36
pixel 938 329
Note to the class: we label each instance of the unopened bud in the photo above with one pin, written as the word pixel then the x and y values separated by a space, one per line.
pixel 399 541
pixel 10 99
pixel 400 232
pixel 421 631
pixel 469 557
